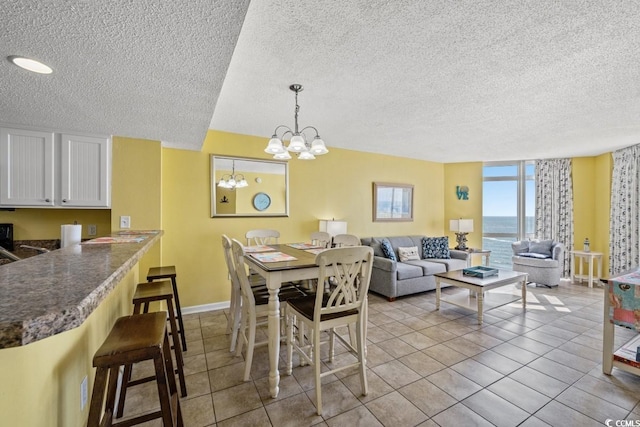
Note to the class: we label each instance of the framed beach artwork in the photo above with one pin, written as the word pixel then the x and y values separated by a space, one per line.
pixel 392 202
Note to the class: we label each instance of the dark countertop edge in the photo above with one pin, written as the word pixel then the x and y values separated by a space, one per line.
pixel 14 334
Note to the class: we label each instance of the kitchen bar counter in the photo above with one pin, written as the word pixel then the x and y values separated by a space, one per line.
pixel 55 292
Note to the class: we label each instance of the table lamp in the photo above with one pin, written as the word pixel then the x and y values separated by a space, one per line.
pixel 333 227
pixel 461 227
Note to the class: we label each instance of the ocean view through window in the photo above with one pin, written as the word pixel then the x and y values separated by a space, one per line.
pixel 508 208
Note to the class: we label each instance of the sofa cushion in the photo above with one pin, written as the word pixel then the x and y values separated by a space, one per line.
pixel 387 250
pixel 404 241
pixel 451 263
pixel 435 247
pixel 540 247
pixel 534 255
pixel 428 267
pixel 408 271
pixel 535 262
pixel 408 254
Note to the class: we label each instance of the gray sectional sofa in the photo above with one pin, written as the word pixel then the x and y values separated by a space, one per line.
pixel 395 278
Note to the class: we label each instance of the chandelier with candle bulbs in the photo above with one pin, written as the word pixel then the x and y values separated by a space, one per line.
pixel 298 141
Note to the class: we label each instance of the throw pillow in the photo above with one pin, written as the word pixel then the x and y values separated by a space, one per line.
pixel 435 247
pixel 534 255
pixel 387 250
pixel 408 254
pixel 542 247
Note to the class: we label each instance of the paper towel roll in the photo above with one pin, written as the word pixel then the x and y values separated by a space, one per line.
pixel 70 234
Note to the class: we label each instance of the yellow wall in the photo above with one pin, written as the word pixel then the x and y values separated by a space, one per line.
pixel 470 175
pixel 602 207
pixel 591 203
pixel 583 201
pixel 40 382
pixel 44 224
pixel 337 185
pixel 136 183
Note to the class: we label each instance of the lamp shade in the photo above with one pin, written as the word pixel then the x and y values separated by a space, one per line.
pixel 296 144
pixel 317 147
pixel 333 227
pixel 306 155
pixel 461 225
pixel 282 156
pixel 275 146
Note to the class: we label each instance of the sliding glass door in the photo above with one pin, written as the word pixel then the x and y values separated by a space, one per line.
pixel 508 208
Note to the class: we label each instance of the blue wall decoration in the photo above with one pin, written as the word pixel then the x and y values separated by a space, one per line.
pixel 462 191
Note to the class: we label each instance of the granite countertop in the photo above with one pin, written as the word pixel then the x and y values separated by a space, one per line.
pixel 54 292
pixel 51 244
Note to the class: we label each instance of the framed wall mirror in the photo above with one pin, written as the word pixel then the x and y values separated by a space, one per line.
pixel 392 202
pixel 245 187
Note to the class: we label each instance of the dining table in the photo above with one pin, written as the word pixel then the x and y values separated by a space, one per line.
pixel 280 263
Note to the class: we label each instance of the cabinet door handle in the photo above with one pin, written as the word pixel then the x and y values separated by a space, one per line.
pixel 64 200
pixel 47 200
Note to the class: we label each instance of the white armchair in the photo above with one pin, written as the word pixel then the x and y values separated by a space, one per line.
pixel 541 260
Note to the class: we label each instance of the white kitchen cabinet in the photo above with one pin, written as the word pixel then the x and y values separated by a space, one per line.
pixel 46 169
pixel 84 171
pixel 27 168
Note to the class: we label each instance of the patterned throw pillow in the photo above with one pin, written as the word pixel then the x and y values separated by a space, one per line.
pixel 408 254
pixel 387 250
pixel 435 247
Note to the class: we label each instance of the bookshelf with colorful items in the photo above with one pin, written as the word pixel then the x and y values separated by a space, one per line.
pixel 622 309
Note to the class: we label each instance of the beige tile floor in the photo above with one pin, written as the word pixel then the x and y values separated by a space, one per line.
pixel 428 368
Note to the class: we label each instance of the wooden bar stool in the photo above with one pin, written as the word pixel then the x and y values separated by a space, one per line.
pixel 145 294
pixel 169 272
pixel 134 339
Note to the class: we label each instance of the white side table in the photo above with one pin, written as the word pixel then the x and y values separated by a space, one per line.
pixel 589 257
pixel 486 254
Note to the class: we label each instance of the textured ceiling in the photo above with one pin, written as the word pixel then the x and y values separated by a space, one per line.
pixel 447 81
pixel 146 69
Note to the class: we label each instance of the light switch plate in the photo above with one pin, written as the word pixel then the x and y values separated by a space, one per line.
pixel 125 221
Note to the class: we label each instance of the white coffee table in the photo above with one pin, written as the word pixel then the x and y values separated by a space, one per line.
pixel 479 286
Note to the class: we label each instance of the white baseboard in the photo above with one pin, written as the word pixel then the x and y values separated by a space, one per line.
pixel 205 307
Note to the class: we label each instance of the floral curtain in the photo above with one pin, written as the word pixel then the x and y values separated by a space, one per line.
pixel 554 204
pixel 623 228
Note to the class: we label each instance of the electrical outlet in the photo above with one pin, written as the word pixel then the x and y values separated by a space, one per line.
pixel 125 221
pixel 92 230
pixel 84 393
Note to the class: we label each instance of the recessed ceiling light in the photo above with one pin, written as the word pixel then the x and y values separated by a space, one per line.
pixel 30 64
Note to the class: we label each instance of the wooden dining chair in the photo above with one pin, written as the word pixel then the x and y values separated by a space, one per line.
pixel 254 307
pixel 342 240
pixel 343 305
pixel 262 237
pixel 235 304
pixel 321 238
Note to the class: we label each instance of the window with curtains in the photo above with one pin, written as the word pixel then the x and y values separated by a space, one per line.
pixel 508 208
